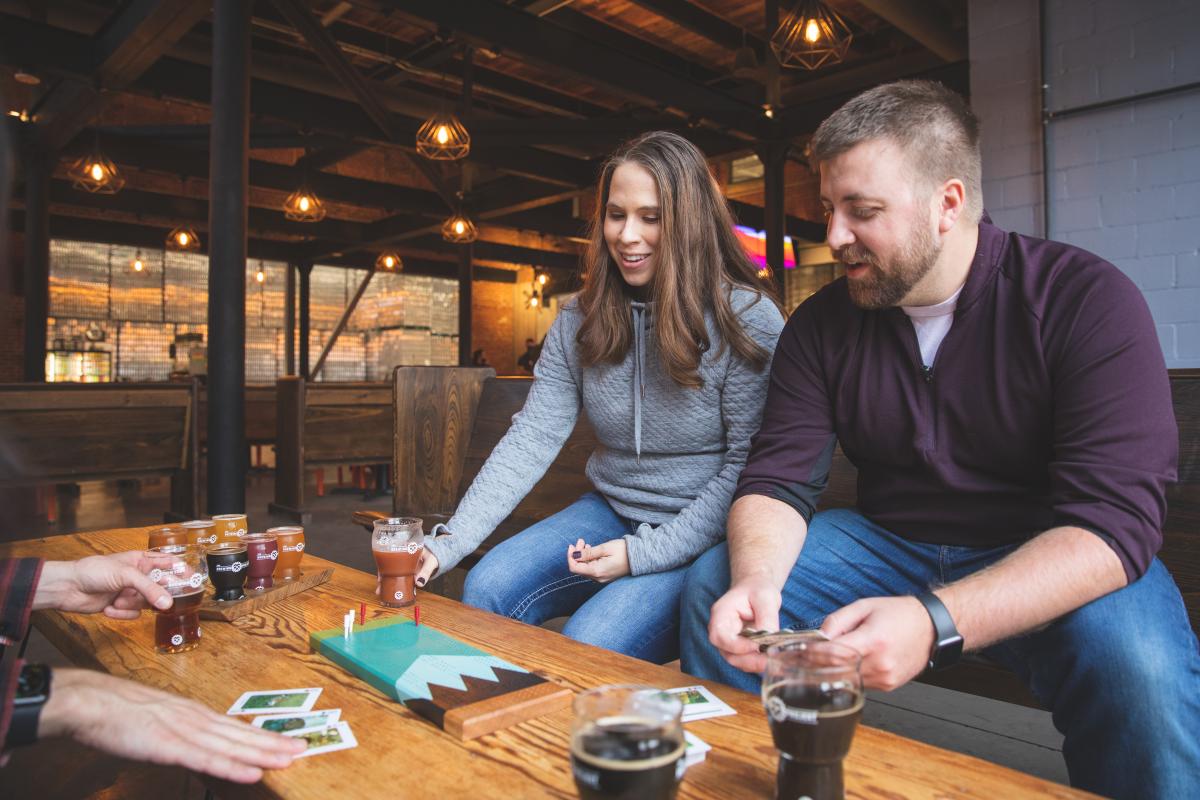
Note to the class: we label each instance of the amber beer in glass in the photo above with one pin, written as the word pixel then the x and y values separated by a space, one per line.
pixel 231 527
pixel 813 694
pixel 167 535
pixel 398 544
pixel 182 571
pixel 201 532
pixel 228 565
pixel 627 744
pixel 263 551
pixel 291 550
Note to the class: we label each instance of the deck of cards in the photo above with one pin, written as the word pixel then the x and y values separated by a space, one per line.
pixel 700 703
pixel 290 712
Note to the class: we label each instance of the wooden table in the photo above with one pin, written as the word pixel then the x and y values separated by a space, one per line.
pixel 401 755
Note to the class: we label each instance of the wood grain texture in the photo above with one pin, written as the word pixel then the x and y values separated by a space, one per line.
pixel 400 754
pixel 488 716
pixel 256 601
pixel 434 415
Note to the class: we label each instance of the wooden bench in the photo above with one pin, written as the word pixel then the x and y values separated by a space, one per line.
pixel 326 424
pixel 260 419
pixel 59 433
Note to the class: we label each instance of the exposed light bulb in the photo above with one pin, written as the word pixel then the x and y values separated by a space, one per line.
pixel 260 276
pixel 541 279
pixel 459 227
pixel 305 204
pixel 183 239
pixel 138 266
pixel 97 172
pixel 812 31
pixel 533 302
pixel 389 262
pixel 443 134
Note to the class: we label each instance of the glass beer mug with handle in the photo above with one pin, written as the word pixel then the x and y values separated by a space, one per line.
pixel 398 544
pixel 812 691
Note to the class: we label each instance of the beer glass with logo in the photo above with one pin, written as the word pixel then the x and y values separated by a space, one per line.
pixel 201 532
pixel 291 550
pixel 228 565
pixel 627 743
pixel 167 535
pixel 397 544
pixel 812 691
pixel 182 571
pixel 231 527
pixel 263 551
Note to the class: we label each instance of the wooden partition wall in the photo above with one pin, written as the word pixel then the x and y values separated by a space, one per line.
pixel 59 433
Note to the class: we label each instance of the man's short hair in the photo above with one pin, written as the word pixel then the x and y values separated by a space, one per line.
pixel 932 125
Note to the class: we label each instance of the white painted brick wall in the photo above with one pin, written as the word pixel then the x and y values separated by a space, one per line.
pixel 1124 181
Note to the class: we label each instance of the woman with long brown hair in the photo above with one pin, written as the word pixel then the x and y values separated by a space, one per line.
pixel 667 349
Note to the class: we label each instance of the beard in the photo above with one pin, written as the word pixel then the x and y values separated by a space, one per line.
pixel 884 288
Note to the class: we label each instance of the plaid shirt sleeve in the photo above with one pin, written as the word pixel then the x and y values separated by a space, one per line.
pixel 18 578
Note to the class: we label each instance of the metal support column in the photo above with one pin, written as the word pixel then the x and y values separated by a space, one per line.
pixel 305 272
pixel 289 322
pixel 228 195
pixel 38 164
pixel 774 157
pixel 466 254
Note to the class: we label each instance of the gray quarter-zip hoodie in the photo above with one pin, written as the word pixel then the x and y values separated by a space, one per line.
pixel 668 457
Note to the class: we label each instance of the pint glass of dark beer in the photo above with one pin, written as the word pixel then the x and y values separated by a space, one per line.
pixel 397 544
pixel 263 551
pixel 812 691
pixel 627 744
pixel 228 565
pixel 182 571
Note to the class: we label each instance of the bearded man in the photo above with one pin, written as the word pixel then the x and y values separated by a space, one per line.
pixel 1006 403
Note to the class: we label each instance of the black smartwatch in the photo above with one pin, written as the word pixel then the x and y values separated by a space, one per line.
pixel 33 690
pixel 947 641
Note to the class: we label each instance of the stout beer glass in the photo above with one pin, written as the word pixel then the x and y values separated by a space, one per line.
pixel 231 527
pixel 291 550
pixel 813 694
pixel 627 744
pixel 397 544
pixel 201 532
pixel 182 571
pixel 263 551
pixel 167 535
pixel 227 568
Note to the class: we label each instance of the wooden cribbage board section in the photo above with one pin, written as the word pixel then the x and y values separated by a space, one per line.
pixel 230 610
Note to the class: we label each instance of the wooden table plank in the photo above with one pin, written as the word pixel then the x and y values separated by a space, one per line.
pixel 402 753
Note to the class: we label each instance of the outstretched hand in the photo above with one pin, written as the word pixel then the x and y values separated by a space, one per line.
pixel 135 721
pixel 755 603
pixel 892 634
pixel 603 563
pixel 116 584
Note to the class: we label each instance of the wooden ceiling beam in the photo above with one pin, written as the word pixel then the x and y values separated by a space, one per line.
pixel 704 23
pixel 925 22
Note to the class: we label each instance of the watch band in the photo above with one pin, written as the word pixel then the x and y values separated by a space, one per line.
pixel 33 690
pixel 947 641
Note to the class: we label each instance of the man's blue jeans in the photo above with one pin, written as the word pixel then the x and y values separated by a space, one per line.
pixel 1121 675
pixel 526 578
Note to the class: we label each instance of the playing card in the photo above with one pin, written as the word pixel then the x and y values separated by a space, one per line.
pixel 327 739
pixel 700 703
pixel 295 723
pixel 697 748
pixel 766 639
pixel 275 701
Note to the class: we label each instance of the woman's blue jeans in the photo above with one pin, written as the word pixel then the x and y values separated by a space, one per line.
pixel 526 578
pixel 1121 675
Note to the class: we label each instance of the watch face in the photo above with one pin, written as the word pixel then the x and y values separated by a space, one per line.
pixel 33 682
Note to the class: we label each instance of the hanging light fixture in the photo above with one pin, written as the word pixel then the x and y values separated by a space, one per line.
pixel 443 138
pixel 261 275
pixel 389 261
pixel 137 265
pixel 810 36
pixel 183 238
pixel 96 174
pixel 458 229
pixel 303 205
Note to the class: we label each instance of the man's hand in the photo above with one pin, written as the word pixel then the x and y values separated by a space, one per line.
pixel 134 721
pixel 893 634
pixel 603 563
pixel 751 602
pixel 116 584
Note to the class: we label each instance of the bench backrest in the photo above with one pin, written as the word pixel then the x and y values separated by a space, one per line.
pixel 562 484
pixel 260 414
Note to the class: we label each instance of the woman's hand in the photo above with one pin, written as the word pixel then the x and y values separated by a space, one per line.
pixel 603 563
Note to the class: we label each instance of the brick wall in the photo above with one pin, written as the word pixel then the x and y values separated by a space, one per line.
pixel 492 324
pixel 1124 181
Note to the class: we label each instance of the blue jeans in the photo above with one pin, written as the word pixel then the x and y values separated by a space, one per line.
pixel 526 578
pixel 1121 675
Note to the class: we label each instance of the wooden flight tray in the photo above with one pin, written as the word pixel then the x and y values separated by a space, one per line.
pixel 229 610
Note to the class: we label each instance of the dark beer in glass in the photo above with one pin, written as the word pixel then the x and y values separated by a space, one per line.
pixel 183 572
pixel 627 744
pixel 263 551
pixel 228 565
pixel 813 695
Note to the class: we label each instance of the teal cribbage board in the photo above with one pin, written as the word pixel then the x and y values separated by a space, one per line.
pixel 426 670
